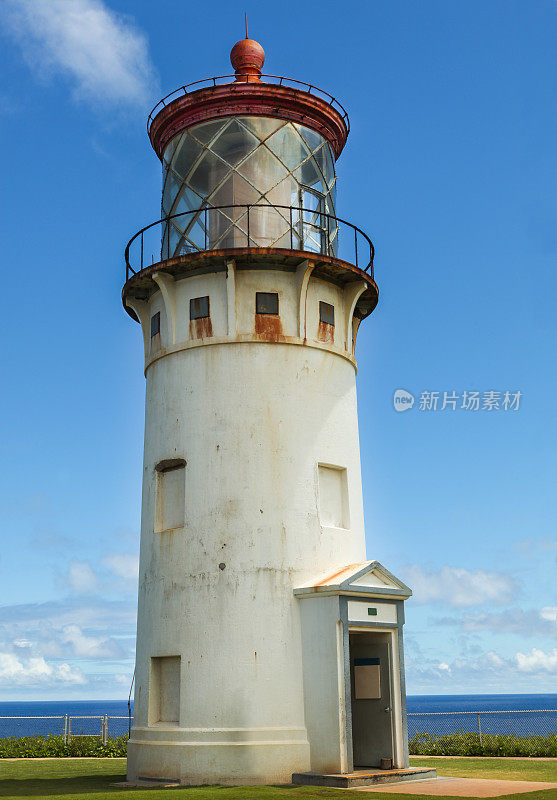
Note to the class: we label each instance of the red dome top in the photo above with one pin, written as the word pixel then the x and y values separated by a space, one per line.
pixel 247 57
pixel 248 95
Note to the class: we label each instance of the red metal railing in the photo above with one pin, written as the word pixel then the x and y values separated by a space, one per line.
pixel 304 230
pixel 280 80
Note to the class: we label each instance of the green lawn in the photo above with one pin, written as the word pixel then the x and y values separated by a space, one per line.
pixel 90 778
pixel 523 769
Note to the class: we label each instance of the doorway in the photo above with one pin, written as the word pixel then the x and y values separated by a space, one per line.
pixel 371 698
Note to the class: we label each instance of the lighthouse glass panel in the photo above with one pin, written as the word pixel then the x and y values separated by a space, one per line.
pixel 248 182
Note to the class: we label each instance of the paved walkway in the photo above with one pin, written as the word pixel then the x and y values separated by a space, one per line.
pixel 460 787
pixel 490 758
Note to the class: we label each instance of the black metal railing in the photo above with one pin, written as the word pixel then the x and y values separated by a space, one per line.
pixel 244 226
pixel 279 80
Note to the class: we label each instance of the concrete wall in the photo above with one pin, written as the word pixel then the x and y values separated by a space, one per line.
pixel 253 414
pixel 323 660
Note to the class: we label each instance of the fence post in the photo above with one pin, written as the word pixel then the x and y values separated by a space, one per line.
pixel 479 728
pixel 105 738
pixel 65 729
pixel 69 729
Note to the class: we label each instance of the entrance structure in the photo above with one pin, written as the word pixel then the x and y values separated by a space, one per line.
pixel 259 652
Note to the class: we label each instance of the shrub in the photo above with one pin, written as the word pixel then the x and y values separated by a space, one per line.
pixel 53 746
pixel 469 744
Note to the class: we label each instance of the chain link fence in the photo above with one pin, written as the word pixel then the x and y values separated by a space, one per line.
pixel 67 726
pixel 525 732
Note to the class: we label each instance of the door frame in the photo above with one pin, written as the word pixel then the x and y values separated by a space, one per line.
pixel 329 611
pixel 398 684
pixel 397 735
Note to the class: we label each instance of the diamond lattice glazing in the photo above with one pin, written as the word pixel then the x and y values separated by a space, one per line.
pixel 257 161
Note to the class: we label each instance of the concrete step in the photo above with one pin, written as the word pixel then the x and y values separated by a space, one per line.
pixel 362 777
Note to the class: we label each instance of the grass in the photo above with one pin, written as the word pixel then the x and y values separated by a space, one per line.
pixel 90 779
pixel 521 769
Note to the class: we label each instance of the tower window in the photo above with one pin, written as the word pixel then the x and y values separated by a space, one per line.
pixel 170 500
pixel 266 303
pixel 199 307
pixel 333 496
pixel 326 313
pixel 164 690
pixel 155 324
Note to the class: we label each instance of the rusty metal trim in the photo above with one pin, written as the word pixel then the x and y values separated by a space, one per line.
pixel 215 261
pixel 275 81
pixel 249 99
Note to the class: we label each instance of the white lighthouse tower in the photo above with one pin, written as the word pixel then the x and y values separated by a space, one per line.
pixel 267 645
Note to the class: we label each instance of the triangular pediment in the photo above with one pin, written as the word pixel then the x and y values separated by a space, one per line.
pixel 369 577
pixel 375 576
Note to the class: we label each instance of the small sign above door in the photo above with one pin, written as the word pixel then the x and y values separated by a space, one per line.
pixel 362 611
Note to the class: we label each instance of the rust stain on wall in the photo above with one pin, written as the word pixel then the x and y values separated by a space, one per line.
pixel 268 326
pixel 201 328
pixel 326 332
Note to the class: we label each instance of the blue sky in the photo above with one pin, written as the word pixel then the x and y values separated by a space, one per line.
pixel 450 167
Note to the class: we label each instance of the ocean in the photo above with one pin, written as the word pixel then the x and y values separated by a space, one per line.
pixel 445 714
pixel 85 714
pixel 432 703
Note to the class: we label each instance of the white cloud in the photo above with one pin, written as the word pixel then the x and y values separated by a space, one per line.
pixel 92 613
pixel 522 622
pixel 81 577
pixel 532 548
pixel 549 613
pixel 22 644
pixel 84 646
pixel 77 641
pixel 36 671
pixel 125 565
pixel 88 628
pixel 495 660
pixel 473 671
pixel 103 54
pixel 460 587
pixel 537 661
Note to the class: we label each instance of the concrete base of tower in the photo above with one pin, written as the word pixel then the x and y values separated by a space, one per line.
pixel 231 757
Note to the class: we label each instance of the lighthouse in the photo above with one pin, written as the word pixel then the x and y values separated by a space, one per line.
pixel 268 644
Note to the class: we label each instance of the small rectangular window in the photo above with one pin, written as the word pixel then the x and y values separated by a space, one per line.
pixel 155 324
pixel 164 690
pixel 266 303
pixel 326 313
pixel 170 500
pixel 333 497
pixel 199 307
